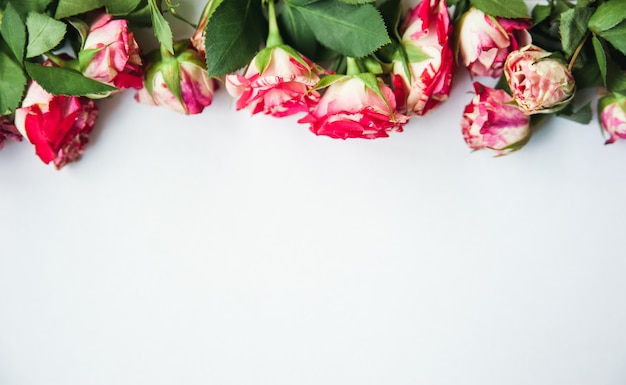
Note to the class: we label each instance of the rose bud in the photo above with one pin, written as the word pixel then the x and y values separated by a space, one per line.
pixel 57 125
pixel 278 82
pixel 428 79
pixel 197 40
pixel 351 108
pixel 8 131
pixel 113 54
pixel 180 82
pixel 492 121
pixel 539 83
pixel 613 117
pixel 484 42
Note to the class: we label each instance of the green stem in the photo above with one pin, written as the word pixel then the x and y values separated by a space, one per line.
pixel 353 67
pixel 55 59
pixel 576 52
pixel 273 37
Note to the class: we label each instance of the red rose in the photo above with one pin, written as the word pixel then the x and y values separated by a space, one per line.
pixel 57 125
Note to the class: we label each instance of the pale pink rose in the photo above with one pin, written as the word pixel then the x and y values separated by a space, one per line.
pixel 491 121
pixel 193 89
pixel 485 41
pixel 426 30
pixel 351 109
pixel 539 83
pixel 57 125
pixel 117 61
pixel 613 117
pixel 8 131
pixel 284 86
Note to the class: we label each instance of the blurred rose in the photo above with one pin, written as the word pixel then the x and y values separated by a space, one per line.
pixel 491 121
pixel 8 131
pixel 197 40
pixel 613 117
pixel 277 82
pixel 116 59
pixel 57 125
pixel 350 108
pixel 185 72
pixel 425 38
pixel 540 84
pixel 484 41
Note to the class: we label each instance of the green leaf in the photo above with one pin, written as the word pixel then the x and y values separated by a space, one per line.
pixel 13 31
pixel 615 78
pixel 584 3
pixel 121 7
pixel 44 33
pixel 81 27
pixel 608 15
pixel 63 81
pixel 598 48
pixel 573 28
pixel 371 82
pixel 328 80
pixel 415 54
pixel 68 8
pixel 233 35
pixel 540 13
pixel 616 36
pixel 582 115
pixel 141 16
pixel 162 29
pixel 357 30
pixel 512 9
pixel 355 2
pixel 13 84
pixel 296 32
pixel 25 6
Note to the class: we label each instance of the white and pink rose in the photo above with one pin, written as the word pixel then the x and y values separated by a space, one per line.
pixel 492 121
pixel 351 108
pixel 612 110
pixel 426 40
pixel 278 82
pixel 483 42
pixel 539 82
pixel 116 56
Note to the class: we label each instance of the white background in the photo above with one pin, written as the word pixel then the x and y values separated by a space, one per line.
pixel 228 249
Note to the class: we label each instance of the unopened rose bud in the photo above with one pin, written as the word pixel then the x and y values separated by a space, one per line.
pixel 613 117
pixel 180 82
pixel 114 54
pixel 485 41
pixel 539 83
pixel 490 121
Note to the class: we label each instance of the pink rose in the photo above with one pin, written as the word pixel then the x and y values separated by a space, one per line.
pixel 277 82
pixel 540 84
pixel 57 125
pixel 613 117
pixel 116 61
pixel 350 108
pixel 191 87
pixel 8 131
pixel 491 121
pixel 484 41
pixel 425 38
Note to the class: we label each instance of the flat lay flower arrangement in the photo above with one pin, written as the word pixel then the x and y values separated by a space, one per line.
pixel 348 68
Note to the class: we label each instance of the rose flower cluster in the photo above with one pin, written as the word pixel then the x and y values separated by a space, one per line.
pixel 355 86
